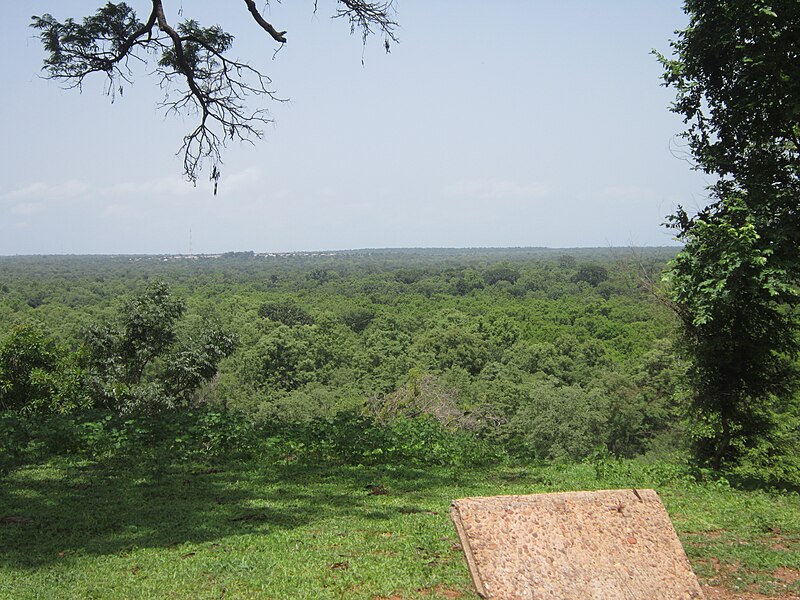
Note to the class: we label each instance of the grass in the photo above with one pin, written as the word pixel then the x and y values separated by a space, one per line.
pixel 283 529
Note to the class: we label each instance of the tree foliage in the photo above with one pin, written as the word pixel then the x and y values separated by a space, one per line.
pixel 120 358
pixel 736 71
pixel 592 274
pixel 33 370
pixel 544 367
pixel 286 312
pixel 193 64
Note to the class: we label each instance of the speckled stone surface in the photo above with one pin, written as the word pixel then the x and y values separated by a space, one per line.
pixel 609 545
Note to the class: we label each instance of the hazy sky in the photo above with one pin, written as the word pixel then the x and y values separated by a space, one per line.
pixel 506 123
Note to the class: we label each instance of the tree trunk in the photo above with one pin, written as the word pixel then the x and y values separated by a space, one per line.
pixel 724 443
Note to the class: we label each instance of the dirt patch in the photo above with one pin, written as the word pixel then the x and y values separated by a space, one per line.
pixel 779 542
pixel 714 563
pixel 715 588
pixel 779 547
pixel 786 575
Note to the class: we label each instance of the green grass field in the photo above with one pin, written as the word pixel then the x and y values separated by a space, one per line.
pixel 81 529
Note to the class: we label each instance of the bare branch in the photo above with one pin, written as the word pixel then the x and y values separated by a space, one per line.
pixel 365 15
pixel 278 36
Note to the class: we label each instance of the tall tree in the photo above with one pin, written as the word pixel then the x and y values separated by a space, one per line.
pixel 193 64
pixel 736 71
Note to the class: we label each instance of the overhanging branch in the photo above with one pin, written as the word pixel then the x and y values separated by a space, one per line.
pixel 194 66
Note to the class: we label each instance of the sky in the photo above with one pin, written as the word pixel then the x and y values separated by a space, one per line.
pixel 491 124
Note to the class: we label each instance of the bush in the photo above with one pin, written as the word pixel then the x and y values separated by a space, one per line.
pixel 352 438
pixel 100 434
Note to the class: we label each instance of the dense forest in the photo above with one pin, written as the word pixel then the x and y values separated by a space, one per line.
pixel 537 353
pixel 445 355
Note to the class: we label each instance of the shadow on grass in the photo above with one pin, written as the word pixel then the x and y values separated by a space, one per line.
pixel 765 484
pixel 51 512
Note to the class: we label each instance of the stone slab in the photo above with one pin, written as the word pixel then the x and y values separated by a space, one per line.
pixel 603 545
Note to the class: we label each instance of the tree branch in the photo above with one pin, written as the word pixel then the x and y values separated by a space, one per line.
pixel 363 15
pixel 216 87
pixel 278 36
pixel 146 28
pixel 180 57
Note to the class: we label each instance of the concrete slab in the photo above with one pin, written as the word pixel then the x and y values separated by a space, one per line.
pixel 604 545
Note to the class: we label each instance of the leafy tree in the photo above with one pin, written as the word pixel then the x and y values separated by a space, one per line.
pixel 358 318
pixel 193 365
pixel 29 363
pixel 567 261
pixel 147 325
pixel 287 312
pixel 500 272
pixel 193 64
pixel 121 358
pixel 286 359
pixel 543 358
pixel 593 274
pixel 451 342
pixel 388 355
pixel 735 283
pixel 468 280
pixel 563 422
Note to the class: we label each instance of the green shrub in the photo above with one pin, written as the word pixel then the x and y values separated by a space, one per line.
pixel 139 363
pixel 36 374
pixel 352 438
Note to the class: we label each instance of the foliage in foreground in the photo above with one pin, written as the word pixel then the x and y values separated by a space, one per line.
pixel 736 281
pixel 203 434
pixel 349 438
